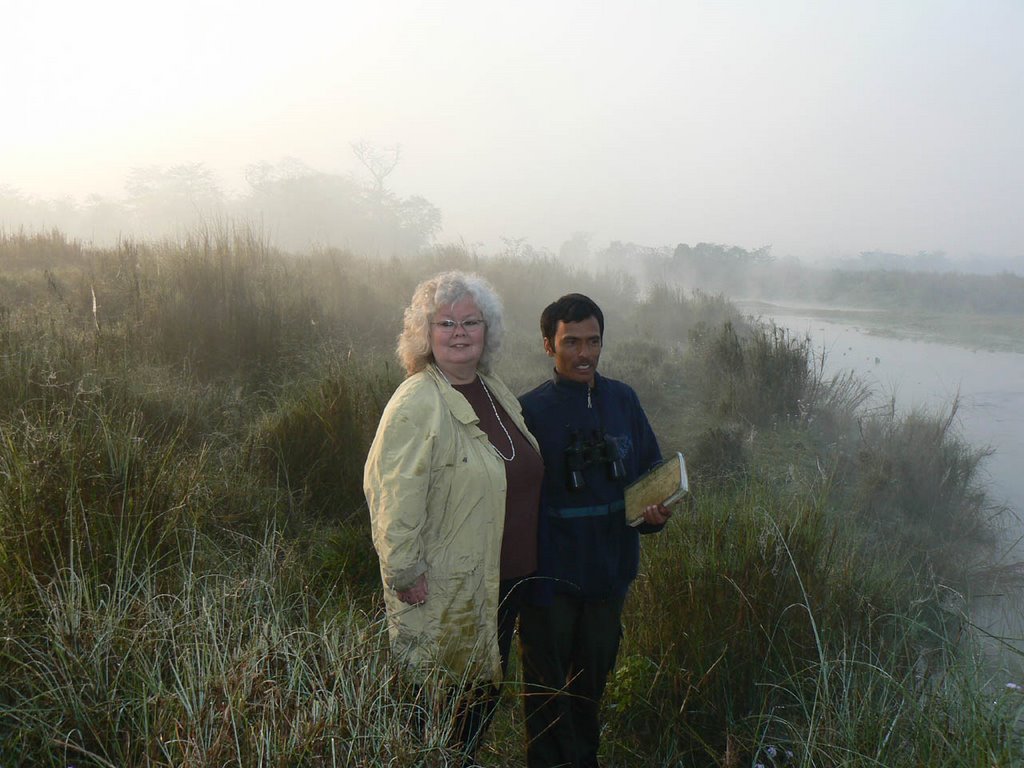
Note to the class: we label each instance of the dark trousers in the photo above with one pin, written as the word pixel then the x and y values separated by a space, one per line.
pixel 568 649
pixel 472 710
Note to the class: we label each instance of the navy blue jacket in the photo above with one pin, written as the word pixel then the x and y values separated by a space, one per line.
pixel 585 547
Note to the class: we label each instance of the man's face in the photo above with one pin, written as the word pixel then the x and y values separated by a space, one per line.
pixel 576 349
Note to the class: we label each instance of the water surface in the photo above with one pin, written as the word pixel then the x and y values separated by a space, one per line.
pixel 930 374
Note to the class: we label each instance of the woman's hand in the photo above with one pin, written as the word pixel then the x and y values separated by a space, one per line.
pixel 416 594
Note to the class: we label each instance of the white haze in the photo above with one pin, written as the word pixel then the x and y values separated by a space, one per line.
pixel 819 128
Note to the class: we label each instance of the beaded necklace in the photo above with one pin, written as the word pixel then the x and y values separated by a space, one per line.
pixel 500 422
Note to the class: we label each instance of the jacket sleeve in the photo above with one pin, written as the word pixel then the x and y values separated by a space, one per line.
pixel 396 480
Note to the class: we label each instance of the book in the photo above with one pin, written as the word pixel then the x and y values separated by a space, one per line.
pixel 664 484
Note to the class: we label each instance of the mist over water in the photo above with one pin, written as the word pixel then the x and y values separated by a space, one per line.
pixel 927 374
pixel 913 373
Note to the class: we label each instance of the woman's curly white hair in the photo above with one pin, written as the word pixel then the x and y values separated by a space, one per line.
pixel 443 290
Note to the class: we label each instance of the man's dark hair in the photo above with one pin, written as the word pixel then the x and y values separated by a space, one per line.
pixel 571 308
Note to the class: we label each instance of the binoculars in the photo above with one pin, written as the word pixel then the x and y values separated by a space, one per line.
pixel 598 449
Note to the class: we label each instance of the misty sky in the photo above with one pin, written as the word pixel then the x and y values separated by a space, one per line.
pixel 820 128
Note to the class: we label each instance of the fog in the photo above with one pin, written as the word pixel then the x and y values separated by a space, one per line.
pixel 822 130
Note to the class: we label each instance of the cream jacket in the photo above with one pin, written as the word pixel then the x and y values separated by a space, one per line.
pixel 435 487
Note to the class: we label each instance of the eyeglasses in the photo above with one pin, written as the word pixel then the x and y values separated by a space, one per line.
pixel 470 325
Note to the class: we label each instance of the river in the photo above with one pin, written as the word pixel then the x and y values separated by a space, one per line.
pixel 931 374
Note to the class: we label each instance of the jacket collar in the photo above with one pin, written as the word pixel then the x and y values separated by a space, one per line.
pixel 570 387
pixel 456 403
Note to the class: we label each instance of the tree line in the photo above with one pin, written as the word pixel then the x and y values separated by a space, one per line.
pixel 293 204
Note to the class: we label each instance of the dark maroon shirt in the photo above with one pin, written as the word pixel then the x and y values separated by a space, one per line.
pixel 523 476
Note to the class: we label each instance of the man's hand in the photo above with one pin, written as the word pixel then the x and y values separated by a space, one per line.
pixel 416 594
pixel 656 514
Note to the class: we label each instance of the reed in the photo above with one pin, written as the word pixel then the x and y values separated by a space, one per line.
pixel 186 575
pixel 237 665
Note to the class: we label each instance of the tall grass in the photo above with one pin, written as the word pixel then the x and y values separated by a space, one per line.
pixel 36 251
pixel 316 439
pixel 768 588
pixel 75 481
pixel 908 479
pixel 760 627
pixel 919 486
pixel 755 375
pixel 238 665
pixel 186 574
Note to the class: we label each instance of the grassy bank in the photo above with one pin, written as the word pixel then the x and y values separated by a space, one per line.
pixel 186 576
pixel 996 333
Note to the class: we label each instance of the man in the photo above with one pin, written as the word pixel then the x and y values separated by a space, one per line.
pixel 595 439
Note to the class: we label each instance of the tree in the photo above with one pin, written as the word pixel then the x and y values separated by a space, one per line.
pixel 379 162
pixel 166 201
pixel 576 250
pixel 301 206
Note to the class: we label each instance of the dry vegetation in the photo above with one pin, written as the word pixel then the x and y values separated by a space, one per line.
pixel 186 576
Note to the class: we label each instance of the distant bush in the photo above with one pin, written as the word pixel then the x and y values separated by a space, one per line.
pixel 718 454
pixel 952 292
pixel 226 303
pixel 38 251
pixel 315 441
pixel 741 608
pixel 759 376
pixel 887 281
pixel 667 314
pixel 919 487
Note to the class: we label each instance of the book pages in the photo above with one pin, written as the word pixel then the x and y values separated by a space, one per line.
pixel 664 484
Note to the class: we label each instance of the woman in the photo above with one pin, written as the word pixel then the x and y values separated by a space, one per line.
pixel 452 481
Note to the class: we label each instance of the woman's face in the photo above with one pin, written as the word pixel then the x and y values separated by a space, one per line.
pixel 458 347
